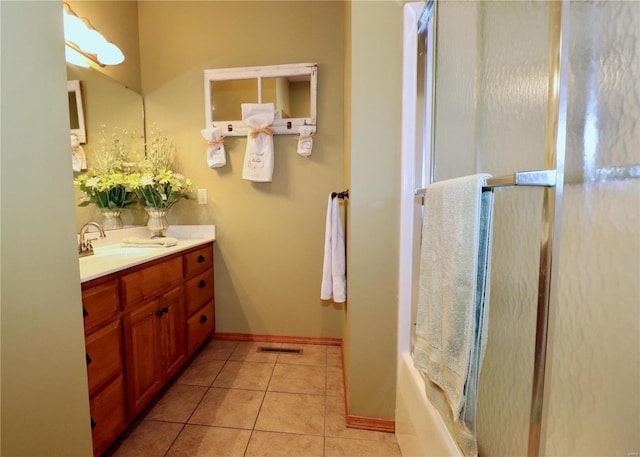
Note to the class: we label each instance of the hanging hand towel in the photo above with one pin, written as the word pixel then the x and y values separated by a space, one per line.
pixel 334 281
pixel 453 299
pixel 305 140
pixel 216 156
pixel 78 157
pixel 258 159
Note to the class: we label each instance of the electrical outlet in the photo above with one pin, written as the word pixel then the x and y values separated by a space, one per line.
pixel 202 196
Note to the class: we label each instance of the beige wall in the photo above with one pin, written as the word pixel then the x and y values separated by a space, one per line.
pixel 45 407
pixel 270 236
pixel 375 104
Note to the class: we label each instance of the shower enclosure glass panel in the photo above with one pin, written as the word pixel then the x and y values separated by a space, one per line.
pixel 490 116
pixel 513 77
pixel 593 394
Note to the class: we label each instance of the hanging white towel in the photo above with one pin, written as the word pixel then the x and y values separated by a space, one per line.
pixel 258 158
pixel 305 140
pixel 334 281
pixel 453 299
pixel 216 154
pixel 78 157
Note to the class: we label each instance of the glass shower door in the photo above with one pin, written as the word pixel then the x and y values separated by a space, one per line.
pixel 491 116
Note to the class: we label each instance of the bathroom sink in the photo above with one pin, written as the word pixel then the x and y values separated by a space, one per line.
pixel 116 254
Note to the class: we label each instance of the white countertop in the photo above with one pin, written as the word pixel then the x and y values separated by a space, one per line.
pixel 111 255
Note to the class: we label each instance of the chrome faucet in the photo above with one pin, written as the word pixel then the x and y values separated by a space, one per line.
pixel 84 246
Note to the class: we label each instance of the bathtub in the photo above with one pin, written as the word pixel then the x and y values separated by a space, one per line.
pixel 419 429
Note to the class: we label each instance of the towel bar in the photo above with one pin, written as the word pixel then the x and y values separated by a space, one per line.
pixel 343 194
pixel 539 178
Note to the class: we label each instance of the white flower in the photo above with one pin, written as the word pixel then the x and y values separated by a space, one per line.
pixel 146 180
pixel 164 197
pixel 93 182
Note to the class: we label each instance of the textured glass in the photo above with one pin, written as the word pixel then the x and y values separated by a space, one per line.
pixel 593 396
pixel 490 116
pixel 512 112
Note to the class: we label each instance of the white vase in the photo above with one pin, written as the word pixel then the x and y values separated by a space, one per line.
pixel 157 222
pixel 111 218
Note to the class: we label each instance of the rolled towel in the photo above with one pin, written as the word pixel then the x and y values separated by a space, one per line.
pixel 134 241
pixel 305 140
pixel 216 156
pixel 78 157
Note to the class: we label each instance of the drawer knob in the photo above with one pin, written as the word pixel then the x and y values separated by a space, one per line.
pixel 165 310
pixel 159 313
pixel 88 358
pixel 93 424
pixel 203 319
pixel 200 258
pixel 202 284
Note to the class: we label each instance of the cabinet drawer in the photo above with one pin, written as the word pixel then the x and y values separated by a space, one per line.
pixel 198 261
pixel 200 326
pixel 199 291
pixel 150 281
pixel 104 356
pixel 108 417
pixel 100 303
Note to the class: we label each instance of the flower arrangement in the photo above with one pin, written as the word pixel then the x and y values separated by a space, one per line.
pixel 106 190
pixel 115 182
pixel 156 184
pixel 108 185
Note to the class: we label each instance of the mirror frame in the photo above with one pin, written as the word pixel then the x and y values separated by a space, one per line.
pixel 280 126
pixel 81 132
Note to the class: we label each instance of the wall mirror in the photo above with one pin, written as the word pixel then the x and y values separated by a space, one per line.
pixel 109 108
pixel 76 110
pixel 291 88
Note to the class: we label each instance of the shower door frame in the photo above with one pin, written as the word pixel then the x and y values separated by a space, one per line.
pixel 415 127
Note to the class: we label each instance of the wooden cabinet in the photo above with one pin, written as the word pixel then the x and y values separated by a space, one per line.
pixel 142 356
pixel 103 344
pixel 198 271
pixel 141 325
pixel 108 415
pixel 199 326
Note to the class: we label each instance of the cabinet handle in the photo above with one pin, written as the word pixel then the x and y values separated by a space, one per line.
pixel 165 310
pixel 202 284
pixel 85 313
pixel 88 358
pixel 200 258
pixel 159 313
pixel 93 424
pixel 203 319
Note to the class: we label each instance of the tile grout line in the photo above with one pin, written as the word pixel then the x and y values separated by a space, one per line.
pixel 198 404
pixel 253 429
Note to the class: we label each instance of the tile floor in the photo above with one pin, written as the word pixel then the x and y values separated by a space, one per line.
pixel 231 400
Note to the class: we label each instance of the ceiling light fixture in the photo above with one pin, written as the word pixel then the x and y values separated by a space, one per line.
pixel 82 39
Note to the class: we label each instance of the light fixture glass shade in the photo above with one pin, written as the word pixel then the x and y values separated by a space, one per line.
pixel 75 58
pixel 110 54
pixel 92 42
pixel 74 29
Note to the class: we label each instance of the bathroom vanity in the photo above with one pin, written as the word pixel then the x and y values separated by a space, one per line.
pixel 146 311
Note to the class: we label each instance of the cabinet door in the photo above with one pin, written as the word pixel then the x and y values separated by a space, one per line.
pixel 142 355
pixel 173 332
